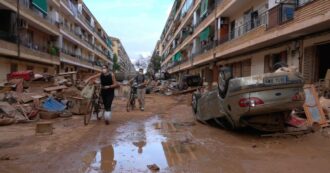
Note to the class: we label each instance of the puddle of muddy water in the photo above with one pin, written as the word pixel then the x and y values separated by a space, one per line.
pixel 142 147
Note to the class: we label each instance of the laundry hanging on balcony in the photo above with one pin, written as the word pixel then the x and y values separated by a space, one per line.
pixel 41 5
pixel 177 57
pixel 204 35
pixel 204 6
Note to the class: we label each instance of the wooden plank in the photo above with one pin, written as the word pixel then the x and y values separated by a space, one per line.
pixel 312 107
pixel 56 88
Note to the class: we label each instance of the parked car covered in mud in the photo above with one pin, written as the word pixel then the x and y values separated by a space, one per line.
pixel 263 101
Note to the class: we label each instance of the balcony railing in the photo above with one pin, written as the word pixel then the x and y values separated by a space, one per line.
pixel 260 20
pixel 76 36
pixel 77 58
pixel 29 9
pixel 28 50
pixel 73 8
pixel 85 21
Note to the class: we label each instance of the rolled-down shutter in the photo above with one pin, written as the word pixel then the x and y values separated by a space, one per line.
pixel 308 64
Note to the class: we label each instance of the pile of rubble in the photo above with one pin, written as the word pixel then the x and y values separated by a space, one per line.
pixel 24 100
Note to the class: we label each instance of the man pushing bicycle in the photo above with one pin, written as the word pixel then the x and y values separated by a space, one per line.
pixel 141 83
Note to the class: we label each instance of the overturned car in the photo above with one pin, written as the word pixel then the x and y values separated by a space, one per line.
pixel 262 101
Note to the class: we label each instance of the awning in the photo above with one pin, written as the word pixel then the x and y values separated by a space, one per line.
pixel 204 6
pixel 108 40
pixel 41 5
pixel 177 57
pixel 204 35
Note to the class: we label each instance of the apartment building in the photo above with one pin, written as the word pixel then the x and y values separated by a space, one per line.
pixel 250 36
pixel 51 36
pixel 124 61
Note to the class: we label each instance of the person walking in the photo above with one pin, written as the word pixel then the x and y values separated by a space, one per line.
pixel 108 85
pixel 141 82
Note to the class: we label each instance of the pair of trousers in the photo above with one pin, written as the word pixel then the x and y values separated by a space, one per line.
pixel 107 97
pixel 140 95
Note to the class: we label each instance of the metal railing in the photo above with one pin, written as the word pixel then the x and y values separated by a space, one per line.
pixel 27 5
pixel 260 20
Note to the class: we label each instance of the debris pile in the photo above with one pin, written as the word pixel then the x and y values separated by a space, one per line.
pixel 28 97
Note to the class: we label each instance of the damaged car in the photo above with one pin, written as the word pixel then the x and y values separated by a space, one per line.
pixel 262 101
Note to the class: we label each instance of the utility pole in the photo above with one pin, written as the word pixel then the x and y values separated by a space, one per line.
pixel 18 21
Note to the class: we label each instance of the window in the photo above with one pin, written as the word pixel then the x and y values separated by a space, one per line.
pixel 287 12
pixel 13 67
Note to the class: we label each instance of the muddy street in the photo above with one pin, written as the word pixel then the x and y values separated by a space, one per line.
pixel 166 135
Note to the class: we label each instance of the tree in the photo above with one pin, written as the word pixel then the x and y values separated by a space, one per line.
pixel 155 64
pixel 116 67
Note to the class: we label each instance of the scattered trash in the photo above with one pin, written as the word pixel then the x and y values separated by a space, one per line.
pixel 153 167
pixel 52 105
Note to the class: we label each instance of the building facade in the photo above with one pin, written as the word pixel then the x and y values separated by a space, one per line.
pixel 250 36
pixel 126 65
pixel 51 36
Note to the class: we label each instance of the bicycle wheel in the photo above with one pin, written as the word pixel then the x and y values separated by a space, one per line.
pixel 89 114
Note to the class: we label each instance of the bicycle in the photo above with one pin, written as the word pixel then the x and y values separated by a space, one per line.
pixel 132 97
pixel 94 106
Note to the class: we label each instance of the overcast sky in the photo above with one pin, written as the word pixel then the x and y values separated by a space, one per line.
pixel 138 23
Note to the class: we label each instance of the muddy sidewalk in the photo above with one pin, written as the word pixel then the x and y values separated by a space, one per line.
pixel 166 135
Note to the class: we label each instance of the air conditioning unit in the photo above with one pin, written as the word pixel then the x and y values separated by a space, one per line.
pixel 23 24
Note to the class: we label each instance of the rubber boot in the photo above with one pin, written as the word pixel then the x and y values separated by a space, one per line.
pixel 107 117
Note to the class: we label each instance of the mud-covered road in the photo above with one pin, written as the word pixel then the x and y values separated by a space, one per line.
pixel 165 134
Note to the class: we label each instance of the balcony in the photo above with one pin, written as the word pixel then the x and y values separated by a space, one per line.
pixel 78 38
pixel 33 16
pixel 71 58
pixel 43 55
pixel 280 14
pixel 86 22
pixel 70 7
pixel 245 28
pixel 201 24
